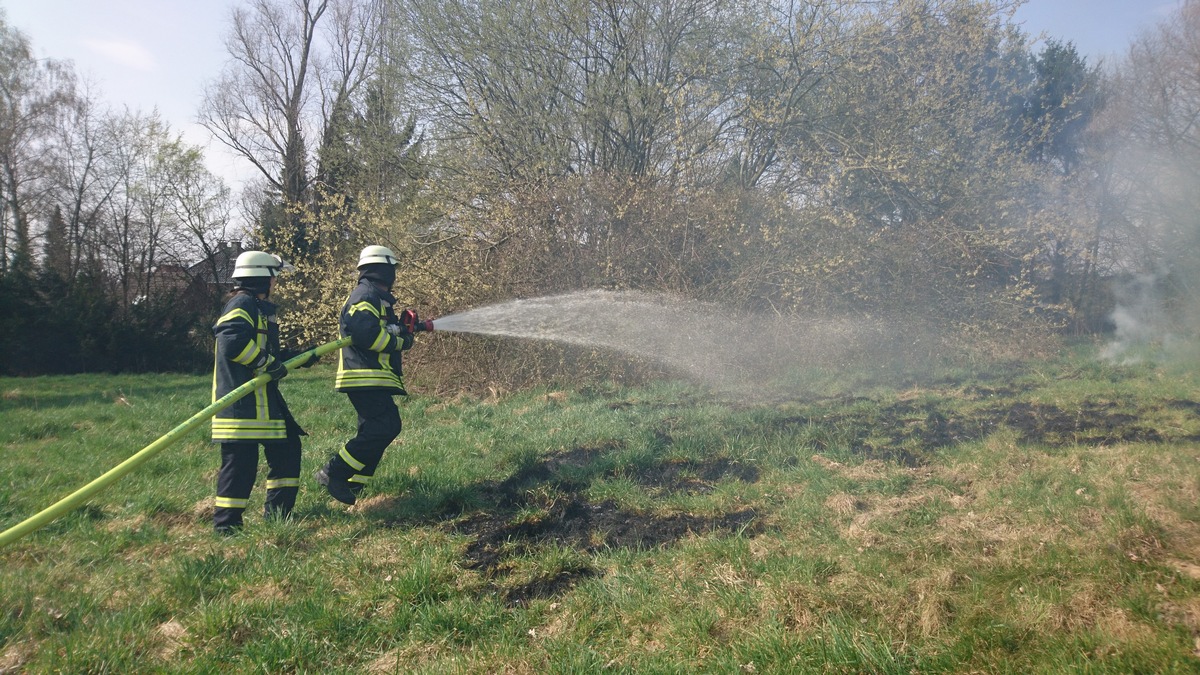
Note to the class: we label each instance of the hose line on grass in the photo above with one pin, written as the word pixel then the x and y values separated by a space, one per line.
pixel 77 497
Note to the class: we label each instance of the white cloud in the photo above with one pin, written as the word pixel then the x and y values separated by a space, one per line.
pixel 125 53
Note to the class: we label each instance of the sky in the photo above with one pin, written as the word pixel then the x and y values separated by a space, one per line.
pixel 148 54
pixel 1100 29
pixel 140 54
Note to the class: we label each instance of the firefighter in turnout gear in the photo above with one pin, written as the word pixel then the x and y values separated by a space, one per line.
pixel 369 373
pixel 247 345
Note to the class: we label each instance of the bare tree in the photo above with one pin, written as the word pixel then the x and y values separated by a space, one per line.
pixel 81 191
pixel 629 88
pixel 1156 157
pixel 32 94
pixel 260 104
pixel 199 204
pixel 292 64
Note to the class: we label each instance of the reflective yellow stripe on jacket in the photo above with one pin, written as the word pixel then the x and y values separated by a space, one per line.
pixel 385 375
pixel 262 427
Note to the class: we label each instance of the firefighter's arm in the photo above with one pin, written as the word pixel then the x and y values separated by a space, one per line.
pixel 366 331
pixel 405 336
pixel 236 335
pixel 237 339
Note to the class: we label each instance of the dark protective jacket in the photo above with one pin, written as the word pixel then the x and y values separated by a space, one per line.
pixel 247 341
pixel 372 361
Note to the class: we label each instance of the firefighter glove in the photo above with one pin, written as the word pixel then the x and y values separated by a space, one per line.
pixel 312 359
pixel 288 355
pixel 400 331
pixel 276 370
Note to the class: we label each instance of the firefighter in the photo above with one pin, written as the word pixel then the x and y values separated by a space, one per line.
pixel 247 345
pixel 369 373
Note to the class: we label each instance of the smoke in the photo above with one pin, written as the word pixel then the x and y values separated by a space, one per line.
pixel 1139 320
pixel 748 356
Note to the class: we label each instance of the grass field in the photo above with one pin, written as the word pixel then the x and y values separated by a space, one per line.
pixel 1038 519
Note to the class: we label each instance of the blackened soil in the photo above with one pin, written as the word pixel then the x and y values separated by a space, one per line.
pixel 907 432
pixel 588 527
pixel 1091 424
pixel 547 586
pixel 562 471
pixel 570 520
pixel 544 503
pixel 694 477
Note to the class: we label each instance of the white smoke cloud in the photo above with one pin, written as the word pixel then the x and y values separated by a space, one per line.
pixel 1139 321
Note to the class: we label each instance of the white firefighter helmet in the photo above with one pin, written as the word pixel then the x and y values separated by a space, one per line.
pixel 377 255
pixel 259 264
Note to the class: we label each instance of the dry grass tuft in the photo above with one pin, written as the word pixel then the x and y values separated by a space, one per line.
pixel 843 504
pixel 202 510
pixel 559 623
pixel 457 400
pixel 122 524
pixel 408 659
pixel 933 605
pixel 15 655
pixel 378 505
pixel 266 593
pixel 174 636
pixel 798 605
pixel 868 470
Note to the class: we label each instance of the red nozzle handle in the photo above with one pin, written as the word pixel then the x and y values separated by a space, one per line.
pixel 408 319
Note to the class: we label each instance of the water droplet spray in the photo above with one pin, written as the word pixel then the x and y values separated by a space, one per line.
pixel 725 350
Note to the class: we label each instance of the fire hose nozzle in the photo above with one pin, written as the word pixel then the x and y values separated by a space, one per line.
pixel 408 319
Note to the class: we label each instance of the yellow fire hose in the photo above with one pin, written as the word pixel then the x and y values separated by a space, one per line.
pixel 77 497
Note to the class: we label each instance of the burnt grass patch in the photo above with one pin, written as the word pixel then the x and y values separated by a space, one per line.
pixel 584 526
pixel 543 503
pixel 908 432
pixel 694 477
pixel 565 518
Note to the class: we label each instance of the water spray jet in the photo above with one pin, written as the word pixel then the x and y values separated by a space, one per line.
pixel 734 353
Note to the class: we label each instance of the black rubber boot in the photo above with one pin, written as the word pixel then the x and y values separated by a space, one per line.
pixel 338 489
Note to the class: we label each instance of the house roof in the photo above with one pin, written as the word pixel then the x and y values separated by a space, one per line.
pixel 218 268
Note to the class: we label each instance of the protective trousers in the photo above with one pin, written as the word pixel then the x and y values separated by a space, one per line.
pixel 235 479
pixel 378 425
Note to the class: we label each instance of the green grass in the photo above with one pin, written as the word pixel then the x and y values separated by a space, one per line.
pixel 1035 520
